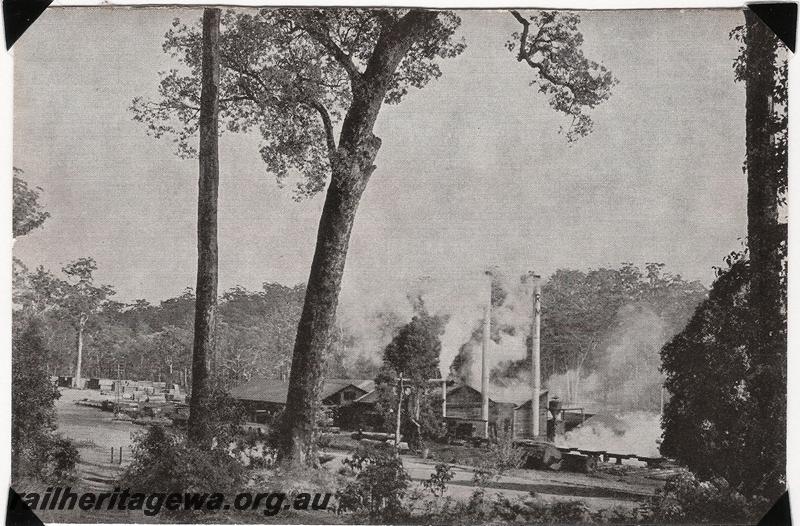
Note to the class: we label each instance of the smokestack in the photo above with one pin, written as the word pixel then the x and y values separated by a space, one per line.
pixel 536 380
pixel 487 330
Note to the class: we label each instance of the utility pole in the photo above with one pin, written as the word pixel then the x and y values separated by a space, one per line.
pixel 536 373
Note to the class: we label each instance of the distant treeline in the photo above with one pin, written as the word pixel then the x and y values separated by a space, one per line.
pixel 255 332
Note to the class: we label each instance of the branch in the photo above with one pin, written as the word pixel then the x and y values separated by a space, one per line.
pixel 395 39
pixel 319 31
pixel 328 125
pixel 524 38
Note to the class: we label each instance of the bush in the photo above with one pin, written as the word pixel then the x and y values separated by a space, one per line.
pixel 686 499
pixel 502 509
pixel 437 483
pixel 36 452
pixel 163 462
pixel 501 456
pixel 727 413
pixel 59 461
pixel 380 484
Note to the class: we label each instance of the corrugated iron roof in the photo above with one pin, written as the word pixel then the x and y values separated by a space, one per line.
pixel 369 398
pixel 494 399
pixel 274 390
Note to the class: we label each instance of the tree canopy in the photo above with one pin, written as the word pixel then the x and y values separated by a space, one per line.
pixel 289 75
pixel 28 213
pixel 717 410
pixel 415 350
pixel 550 43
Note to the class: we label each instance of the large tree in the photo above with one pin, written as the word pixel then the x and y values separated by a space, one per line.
pixel 295 75
pixel 727 370
pixel 74 299
pixel 759 298
pixel 79 297
pixel 205 319
pixel 414 354
pixel 764 67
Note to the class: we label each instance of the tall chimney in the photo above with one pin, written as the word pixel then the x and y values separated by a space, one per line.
pixel 536 374
pixel 487 330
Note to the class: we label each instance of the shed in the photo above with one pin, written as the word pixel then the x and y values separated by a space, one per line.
pixel 262 398
pixel 361 414
pixel 522 417
pixel 464 412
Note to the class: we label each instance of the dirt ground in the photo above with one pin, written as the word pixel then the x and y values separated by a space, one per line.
pixel 95 433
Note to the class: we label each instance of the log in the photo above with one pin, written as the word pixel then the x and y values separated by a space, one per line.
pixel 578 463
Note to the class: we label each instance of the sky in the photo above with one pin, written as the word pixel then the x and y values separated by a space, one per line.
pixel 472 172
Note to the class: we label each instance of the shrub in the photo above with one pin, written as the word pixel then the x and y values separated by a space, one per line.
pixel 380 484
pixel 59 461
pixel 686 499
pixel 502 509
pixel 727 413
pixel 163 462
pixel 501 456
pixel 36 452
pixel 437 483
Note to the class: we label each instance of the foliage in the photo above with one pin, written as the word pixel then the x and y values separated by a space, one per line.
pixel 685 499
pixel 415 350
pixel 223 413
pixel 52 460
pixel 146 341
pixel 294 74
pixel 74 297
pixel 379 486
pixel 437 483
pixel 777 126
pixel 28 213
pixel 286 74
pixel 500 457
pixel 164 462
pixel 716 412
pixel 256 331
pixel 501 509
pixel 550 44
pixel 36 452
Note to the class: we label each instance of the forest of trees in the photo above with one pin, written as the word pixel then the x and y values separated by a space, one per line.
pixel 255 334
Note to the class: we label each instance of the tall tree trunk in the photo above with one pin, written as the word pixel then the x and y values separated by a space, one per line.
pixel 351 167
pixel 762 178
pixel 77 380
pixel 207 268
pixel 767 379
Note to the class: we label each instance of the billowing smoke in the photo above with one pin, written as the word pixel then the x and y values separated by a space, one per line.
pixel 626 375
pixel 633 432
pixel 512 308
pixel 371 324
pixel 372 317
